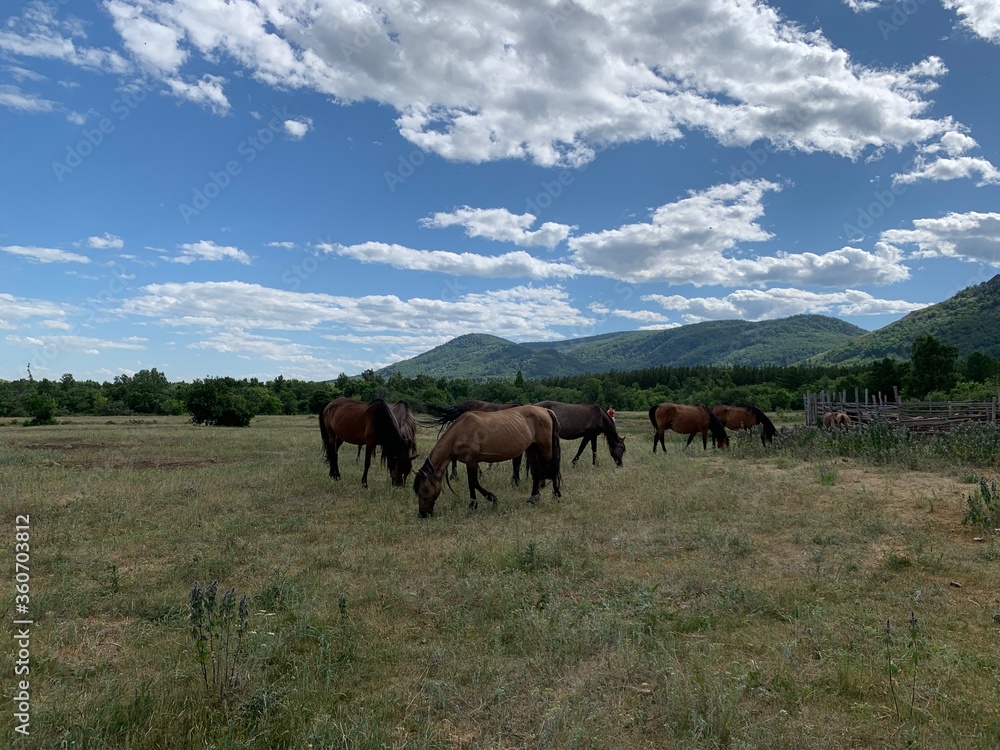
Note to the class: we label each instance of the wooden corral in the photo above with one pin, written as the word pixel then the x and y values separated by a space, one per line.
pixel 917 416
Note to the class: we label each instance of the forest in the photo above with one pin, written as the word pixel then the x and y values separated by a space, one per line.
pixel 934 371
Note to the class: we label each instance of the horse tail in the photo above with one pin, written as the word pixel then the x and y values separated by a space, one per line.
pixel 652 417
pixel 324 433
pixel 554 470
pixel 768 431
pixel 446 414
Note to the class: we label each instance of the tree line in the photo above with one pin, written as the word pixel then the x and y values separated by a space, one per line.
pixel 933 371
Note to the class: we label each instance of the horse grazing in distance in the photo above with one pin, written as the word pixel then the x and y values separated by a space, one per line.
pixel 746 418
pixel 367 423
pixel 477 437
pixel 837 420
pixel 587 421
pixel 445 415
pixel 687 420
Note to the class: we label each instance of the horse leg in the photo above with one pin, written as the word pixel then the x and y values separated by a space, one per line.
pixel 369 450
pixel 454 468
pixel 593 450
pixel 535 483
pixel 475 485
pixel 472 471
pixel 583 444
pixel 690 438
pixel 334 463
pixel 704 439
pixel 516 479
pixel 358 457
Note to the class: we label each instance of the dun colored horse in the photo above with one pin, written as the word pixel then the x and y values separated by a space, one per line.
pixel 367 423
pixel 687 420
pixel 837 420
pixel 445 415
pixel 477 437
pixel 746 418
pixel 587 421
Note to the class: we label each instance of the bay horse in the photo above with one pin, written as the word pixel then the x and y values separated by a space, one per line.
pixel 687 420
pixel 367 423
pixel 587 421
pixel 445 415
pixel 746 418
pixel 477 437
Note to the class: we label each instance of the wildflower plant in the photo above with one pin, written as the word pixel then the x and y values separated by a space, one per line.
pixel 218 627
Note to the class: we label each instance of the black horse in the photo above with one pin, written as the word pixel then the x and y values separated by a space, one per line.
pixel 587 421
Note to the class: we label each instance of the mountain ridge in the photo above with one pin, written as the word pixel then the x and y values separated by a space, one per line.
pixel 965 321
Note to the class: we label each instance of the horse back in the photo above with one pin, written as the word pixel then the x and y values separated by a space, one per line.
pixel 349 420
pixel 493 436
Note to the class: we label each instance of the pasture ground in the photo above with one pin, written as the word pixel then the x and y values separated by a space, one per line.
pixel 697 599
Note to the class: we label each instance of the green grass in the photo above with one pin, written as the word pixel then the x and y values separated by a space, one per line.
pixel 697 599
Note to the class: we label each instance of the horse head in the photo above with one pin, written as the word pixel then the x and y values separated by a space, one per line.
pixel 427 486
pixel 400 465
pixel 617 448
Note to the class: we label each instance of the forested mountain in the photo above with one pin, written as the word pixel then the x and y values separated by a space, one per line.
pixel 969 321
pixel 720 342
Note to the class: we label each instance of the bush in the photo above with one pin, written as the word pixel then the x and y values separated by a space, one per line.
pixel 41 408
pixel 223 402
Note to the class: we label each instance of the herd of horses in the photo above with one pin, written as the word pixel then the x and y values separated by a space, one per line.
pixel 479 432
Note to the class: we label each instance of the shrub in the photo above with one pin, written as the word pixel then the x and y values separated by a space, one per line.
pixel 41 408
pixel 224 402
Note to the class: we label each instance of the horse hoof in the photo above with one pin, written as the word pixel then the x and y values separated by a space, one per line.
pixel 533 499
pixel 473 505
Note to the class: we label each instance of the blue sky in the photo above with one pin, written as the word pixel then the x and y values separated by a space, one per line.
pixel 310 187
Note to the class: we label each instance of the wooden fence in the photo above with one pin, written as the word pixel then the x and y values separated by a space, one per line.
pixel 920 416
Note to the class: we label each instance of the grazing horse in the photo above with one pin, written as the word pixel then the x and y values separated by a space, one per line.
pixel 837 420
pixel 477 437
pixel 407 427
pixel 367 423
pixel 687 420
pixel 445 415
pixel 746 418
pixel 587 421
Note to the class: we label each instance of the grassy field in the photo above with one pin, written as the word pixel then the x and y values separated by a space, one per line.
pixel 699 599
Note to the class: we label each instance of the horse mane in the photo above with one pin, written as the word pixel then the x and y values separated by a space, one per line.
pixel 405 423
pixel 767 424
pixel 387 432
pixel 715 425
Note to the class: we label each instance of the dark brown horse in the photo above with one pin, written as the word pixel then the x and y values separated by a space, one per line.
pixel 407 427
pixel 477 437
pixel 587 421
pixel 687 420
pixel 445 415
pixel 367 423
pixel 746 418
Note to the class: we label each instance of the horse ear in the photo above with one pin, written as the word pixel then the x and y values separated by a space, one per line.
pixel 624 437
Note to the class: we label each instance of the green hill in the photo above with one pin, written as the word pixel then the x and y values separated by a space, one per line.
pixel 969 321
pixel 723 342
